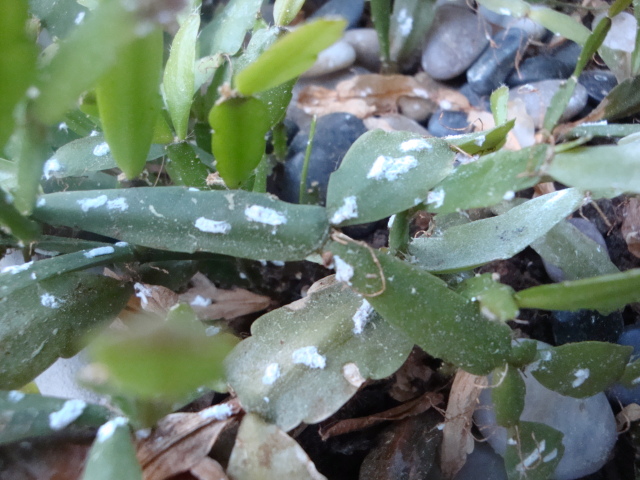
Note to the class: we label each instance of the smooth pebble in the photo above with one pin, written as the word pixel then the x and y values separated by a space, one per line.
pixel 367 47
pixel 540 67
pixel 598 83
pixel 350 10
pixel 447 122
pixel 586 325
pixel 619 393
pixel 395 123
pixel 337 57
pixel 533 30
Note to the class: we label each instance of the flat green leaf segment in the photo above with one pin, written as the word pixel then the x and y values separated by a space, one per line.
pixel 605 293
pixel 384 173
pixel 50 319
pixel 445 324
pixel 507 394
pixel 611 168
pixel 305 360
pixel 238 223
pixel 28 415
pixel 493 178
pixel 285 11
pixel 533 451
pixel 112 454
pixel 289 57
pixel 15 278
pixel 581 369
pixel 484 141
pixel 228 29
pixel 476 243
pixel 85 155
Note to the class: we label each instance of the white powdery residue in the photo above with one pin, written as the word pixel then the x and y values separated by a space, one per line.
pixel 436 197
pixel 121 244
pixel 212 226
pixel 94 133
pixel 512 441
pixel 48 300
pixel 221 411
pixel 154 212
pixel 13 269
pixel 68 414
pixel 479 141
pixel 344 271
pixel 390 168
pixel 98 252
pixel 211 331
pixel 271 374
pixel 51 167
pixel 200 301
pixel 361 317
pixel 509 195
pixel 550 456
pixel 532 458
pixel 392 218
pixel 309 356
pixel 445 105
pixel 581 375
pixel 405 22
pixel 415 144
pixel 277 263
pixel 142 292
pixel 63 127
pixel 106 431
pixel 118 204
pixel 14 396
pixel 79 18
pixel 87 204
pixel 349 209
pixel 268 216
pixel 504 11
pixel 41 202
pixel 194 189
pixel 266 399
pixel 635 381
pixel 101 149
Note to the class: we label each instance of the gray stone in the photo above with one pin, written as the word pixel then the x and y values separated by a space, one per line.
pixel 631 337
pixel 598 83
pixel 532 29
pixel 367 47
pixel 588 425
pixel 446 122
pixel 537 97
pixel 337 57
pixel 415 108
pixel 483 463
pixel 350 10
pixel 540 67
pixel 622 35
pixel 456 39
pixel 490 70
pixel 395 123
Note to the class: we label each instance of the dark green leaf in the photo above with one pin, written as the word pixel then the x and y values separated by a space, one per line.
pixel 482 142
pixel 623 100
pixel 494 298
pixel 507 394
pixel 533 451
pixel 12 223
pixel 184 167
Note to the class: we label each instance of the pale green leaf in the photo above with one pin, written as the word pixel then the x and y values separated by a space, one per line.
pixel 112 454
pixel 533 451
pixel 285 11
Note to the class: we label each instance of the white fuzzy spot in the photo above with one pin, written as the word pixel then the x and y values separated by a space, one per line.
pixel 479 141
pixel 436 197
pixel 63 127
pixel 87 204
pixel 309 356
pixel 221 411
pixel 581 375
pixel 392 219
pixel 512 441
pixel 14 396
pixel 361 317
pixel 79 18
pixel 154 212
pixel 405 23
pixel 51 167
pixel 142 292
pixel 118 204
pixel 551 456
pixel 349 209
pixel 49 301
pixel 200 301
pixel 351 373
pixel 33 92
pixel 41 202
pixel 390 168
pixel 143 433
pixel 271 374
pixel 94 133
pixel 415 144
pixel 445 105
pixel 101 149
pixel 193 189
pixel 509 195
pixel 13 269
pixel 106 431
pixel 532 458
pixel 268 216
pixel 266 399
pixel 68 414
pixel 211 331
pixel 98 252
pixel 212 226
pixel 504 11
pixel 344 271
pixel 121 244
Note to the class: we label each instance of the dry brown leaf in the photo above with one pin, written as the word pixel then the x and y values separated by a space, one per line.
pixel 630 228
pixel 212 303
pixel 408 409
pixel 181 440
pixel 457 441
pixel 51 459
pixel 155 298
pixel 630 413
pixel 411 378
pixel 209 469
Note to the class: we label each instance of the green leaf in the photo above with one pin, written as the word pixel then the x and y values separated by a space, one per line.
pixel 559 103
pixel 560 24
pixel 501 237
pixel 12 223
pixel 581 369
pixel 162 359
pixel 499 99
pixel 17 63
pixel 631 376
pixel 381 15
pixel 602 129
pixel 442 322
pixel 34 333
pixel 410 22
pixel 92 49
pixel 515 8
pixel 112 454
pixel 605 293
pixel 267 379
pixel 28 415
pixel 227 31
pixel 285 11
pixel 29 274
pixel 238 140
pixel 494 298
pixel 129 102
pixel 184 167
pixel 484 141
pixel 266 452
pixel 592 44
pixel 533 451
pixel 624 100
pixel 59 17
pixel 493 178
pixel 179 74
pixel 289 57
pixel 578 256
pixel 507 394
pixel 384 173
pixel 241 224
pixel 611 168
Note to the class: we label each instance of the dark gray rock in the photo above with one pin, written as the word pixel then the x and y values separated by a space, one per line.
pixel 483 463
pixel 351 10
pixel 490 70
pixel 586 325
pixel 631 336
pixel 456 39
pixel 447 122
pixel 598 83
pixel 533 30
pixel 567 53
pixel 479 101
pixel 540 67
